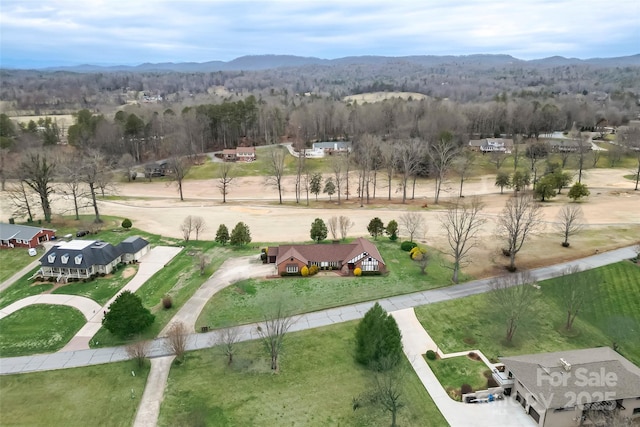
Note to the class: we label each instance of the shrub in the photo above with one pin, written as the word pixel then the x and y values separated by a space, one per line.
pixel 357 272
pixel 431 355
pixel 126 223
pixel 491 383
pixel 304 271
pixel 407 246
pixel 167 302
pixel 313 270
pixel 466 388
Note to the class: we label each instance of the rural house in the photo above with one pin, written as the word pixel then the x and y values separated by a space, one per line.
pixel 345 257
pixel 571 388
pixel 490 145
pixel 80 259
pixel 24 236
pixel 242 154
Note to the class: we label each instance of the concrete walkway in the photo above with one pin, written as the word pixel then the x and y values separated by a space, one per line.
pixel 149 265
pixel 416 341
pixel 86 306
pixel 149 407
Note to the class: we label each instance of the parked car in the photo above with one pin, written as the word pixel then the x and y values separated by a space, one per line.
pixel 82 233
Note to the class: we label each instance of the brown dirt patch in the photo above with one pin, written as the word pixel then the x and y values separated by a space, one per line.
pixel 128 272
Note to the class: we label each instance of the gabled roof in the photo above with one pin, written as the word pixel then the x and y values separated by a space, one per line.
pixel 545 375
pixel 19 232
pixel 326 252
pixel 132 245
pixel 80 254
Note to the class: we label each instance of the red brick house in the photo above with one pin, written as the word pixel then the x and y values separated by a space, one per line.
pixel 23 236
pixel 345 257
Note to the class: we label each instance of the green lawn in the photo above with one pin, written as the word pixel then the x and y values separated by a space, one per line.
pixel 38 329
pixel 455 371
pixel 22 289
pixel 101 289
pixel 13 260
pixel 105 395
pixel 469 322
pixel 315 387
pixel 180 279
pixel 243 301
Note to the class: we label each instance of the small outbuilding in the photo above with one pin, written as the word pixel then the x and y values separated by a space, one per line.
pixel 133 248
pixel 24 236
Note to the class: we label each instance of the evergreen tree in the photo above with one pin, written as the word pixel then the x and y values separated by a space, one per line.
pixel 240 234
pixel 392 230
pixel 318 230
pixel 578 191
pixel 127 316
pixel 503 180
pixel 315 184
pixel 329 188
pixel 375 227
pixel 378 340
pixel 222 235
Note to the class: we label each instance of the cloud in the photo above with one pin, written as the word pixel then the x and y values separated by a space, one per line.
pixel 101 31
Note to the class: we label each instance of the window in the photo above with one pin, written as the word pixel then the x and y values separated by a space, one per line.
pixel 636 411
pixel 64 258
pixel 51 258
pixel 78 259
pixel 292 268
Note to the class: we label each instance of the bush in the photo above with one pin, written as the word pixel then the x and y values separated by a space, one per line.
pixel 357 272
pixel 466 388
pixel 407 246
pixel 313 270
pixel 304 271
pixel 126 223
pixel 167 302
pixel 491 383
pixel 431 355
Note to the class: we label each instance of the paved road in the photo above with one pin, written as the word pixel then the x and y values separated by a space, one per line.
pixel 86 306
pixel 62 360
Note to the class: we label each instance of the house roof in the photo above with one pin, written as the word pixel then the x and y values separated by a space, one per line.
pixel 19 232
pixel 246 150
pixel 594 371
pixel 132 244
pixel 80 254
pixel 325 252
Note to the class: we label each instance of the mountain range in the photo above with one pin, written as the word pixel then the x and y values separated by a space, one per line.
pixel 264 62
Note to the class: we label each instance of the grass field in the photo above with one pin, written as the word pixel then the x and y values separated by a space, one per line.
pixel 22 288
pixel 315 387
pixel 613 317
pixel 243 301
pixel 38 329
pixel 180 279
pixel 12 261
pixel 106 395
pixel 455 371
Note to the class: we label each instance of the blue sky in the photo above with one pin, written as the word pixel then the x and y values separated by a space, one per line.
pixel 108 32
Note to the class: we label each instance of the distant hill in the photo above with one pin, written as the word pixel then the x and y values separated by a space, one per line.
pixel 265 62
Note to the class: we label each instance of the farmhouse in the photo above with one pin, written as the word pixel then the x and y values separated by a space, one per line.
pixel 80 259
pixel 23 236
pixel 241 154
pixel 361 253
pixel 570 388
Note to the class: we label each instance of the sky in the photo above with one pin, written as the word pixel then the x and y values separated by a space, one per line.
pixel 40 33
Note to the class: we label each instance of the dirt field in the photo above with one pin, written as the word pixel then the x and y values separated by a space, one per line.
pixel 612 213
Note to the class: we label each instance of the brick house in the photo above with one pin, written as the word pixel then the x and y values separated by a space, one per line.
pixel 24 236
pixel 344 257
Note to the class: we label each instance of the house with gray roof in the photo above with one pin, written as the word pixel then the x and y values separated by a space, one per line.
pixel 491 145
pixel 345 257
pixel 81 259
pixel 573 388
pixel 24 236
pixel 133 248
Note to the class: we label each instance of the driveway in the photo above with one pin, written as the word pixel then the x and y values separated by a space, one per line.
pixel 416 342
pixel 86 306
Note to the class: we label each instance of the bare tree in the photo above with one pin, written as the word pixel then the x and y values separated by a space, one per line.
pixel 199 225
pixel 176 342
pixel 410 155
pixel 577 289
pixel 20 200
pixel 442 153
pixel 72 180
pixel 462 223
pixel 413 223
pixel 276 170
pixel 179 167
pixel 385 392
pixel 497 158
pixel 224 180
pixel 138 350
pixel 463 165
pixel 390 161
pixel 93 166
pixel 300 167
pixel 337 166
pixel 519 218
pixel 513 298
pixel 333 226
pixel 345 225
pixel 38 172
pixel 187 228
pixel 630 139
pixel 227 340
pixel 273 330
pixel 126 163
pixel 570 221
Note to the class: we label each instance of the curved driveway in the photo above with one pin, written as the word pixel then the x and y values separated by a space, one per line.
pixel 86 306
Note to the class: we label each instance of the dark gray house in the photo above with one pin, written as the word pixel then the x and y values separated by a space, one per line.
pixel 81 259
